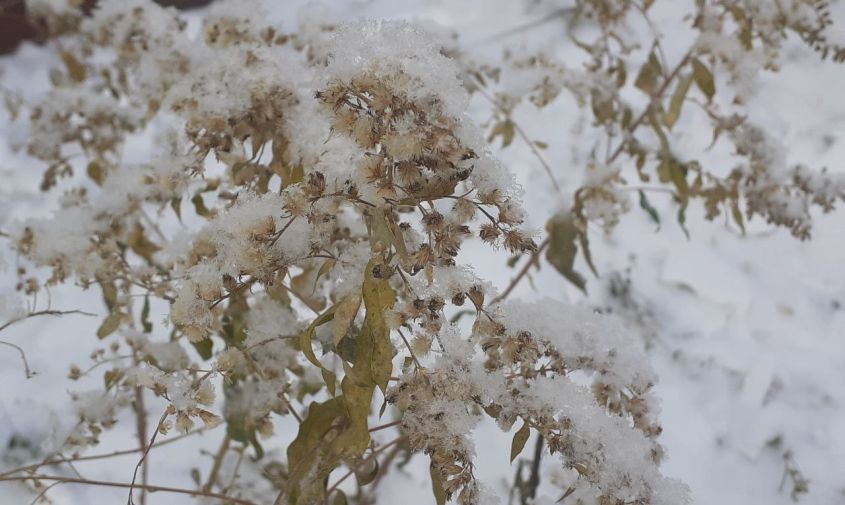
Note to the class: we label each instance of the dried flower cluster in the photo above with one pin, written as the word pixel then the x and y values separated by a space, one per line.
pixel 297 209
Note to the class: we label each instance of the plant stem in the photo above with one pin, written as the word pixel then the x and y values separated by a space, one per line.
pixel 533 260
pixel 124 452
pixel 141 427
pixel 151 488
pixel 218 462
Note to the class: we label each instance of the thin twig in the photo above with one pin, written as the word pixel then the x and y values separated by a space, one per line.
pixel 218 462
pixel 44 313
pixel 234 477
pixel 618 151
pixel 557 13
pixel 520 132
pixel 410 350
pixel 43 492
pixel 386 425
pixel 151 488
pixel 29 373
pixel 533 260
pixel 141 428
pixel 654 98
pixel 362 463
pixel 144 456
pixel 78 459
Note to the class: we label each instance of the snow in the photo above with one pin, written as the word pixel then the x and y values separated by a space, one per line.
pixel 361 48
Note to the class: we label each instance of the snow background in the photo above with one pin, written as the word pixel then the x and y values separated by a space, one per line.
pixel 747 333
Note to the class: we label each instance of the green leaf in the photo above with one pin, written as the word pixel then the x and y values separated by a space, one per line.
pixel 646 206
pixel 562 249
pixel 110 324
pixel 703 78
pixel 519 440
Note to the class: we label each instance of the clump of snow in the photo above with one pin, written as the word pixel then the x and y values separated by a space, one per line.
pixel 390 47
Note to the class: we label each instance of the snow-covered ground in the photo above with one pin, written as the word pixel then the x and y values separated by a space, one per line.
pixel 747 332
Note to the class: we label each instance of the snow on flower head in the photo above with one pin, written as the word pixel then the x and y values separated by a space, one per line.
pixel 403 49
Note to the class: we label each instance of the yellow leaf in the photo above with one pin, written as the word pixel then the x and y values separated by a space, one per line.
pixel 703 78
pixel 366 475
pixel 75 69
pixel 519 440
pixel 110 324
pixel 95 172
pixel 310 446
pixel 340 498
pixel 737 215
pixel 345 313
pixel 506 129
pixel 649 75
pixel 304 284
pixel 140 244
pixel 602 108
pixel 437 485
pixel 305 343
pixel 562 249
pixel 200 208
pixel 376 346
pixel 325 268
pixel 109 294
pixel 677 102
pixel 380 237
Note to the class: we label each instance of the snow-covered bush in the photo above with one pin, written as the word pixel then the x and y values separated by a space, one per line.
pixel 731 42
pixel 300 211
